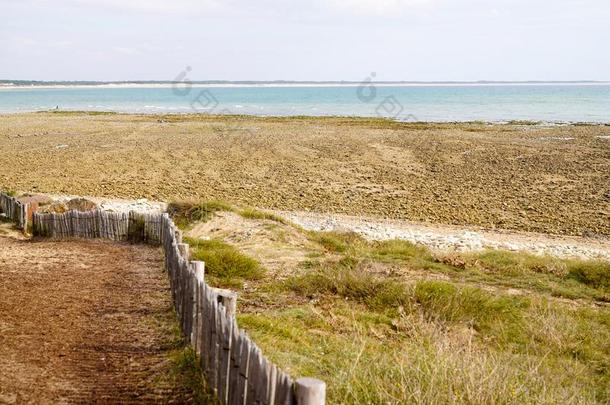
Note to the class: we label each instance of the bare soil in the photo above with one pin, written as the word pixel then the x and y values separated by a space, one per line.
pixel 548 179
pixel 85 322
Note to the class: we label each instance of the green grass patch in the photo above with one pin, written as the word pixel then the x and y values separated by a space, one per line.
pixel 225 266
pixel 346 279
pixel 187 370
pixel 367 358
pixel 595 274
pixel 352 244
pixel 185 213
pixel 337 242
pixel 560 277
pixel 253 213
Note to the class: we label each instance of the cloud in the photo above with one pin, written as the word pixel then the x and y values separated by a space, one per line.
pixel 377 7
pixel 262 7
pixel 126 51
pixel 142 6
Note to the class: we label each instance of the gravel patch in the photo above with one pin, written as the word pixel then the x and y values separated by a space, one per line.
pixel 453 238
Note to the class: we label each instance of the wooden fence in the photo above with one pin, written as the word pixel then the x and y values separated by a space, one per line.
pixel 234 367
pixel 117 226
pixel 14 210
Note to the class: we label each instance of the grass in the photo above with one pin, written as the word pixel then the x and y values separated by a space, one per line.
pixel 186 368
pixel 184 371
pixel 253 213
pixel 392 322
pixel 225 266
pixel 344 279
pixel 454 333
pixel 366 356
pixel 523 122
pixel 560 277
pixel 185 213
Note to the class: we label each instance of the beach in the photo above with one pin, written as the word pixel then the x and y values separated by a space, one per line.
pixel 536 178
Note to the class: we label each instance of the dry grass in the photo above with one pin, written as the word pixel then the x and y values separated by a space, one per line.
pixel 453 333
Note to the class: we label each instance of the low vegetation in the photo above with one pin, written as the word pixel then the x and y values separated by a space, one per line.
pixel 393 322
pixel 225 266
pixel 253 213
pixel 185 213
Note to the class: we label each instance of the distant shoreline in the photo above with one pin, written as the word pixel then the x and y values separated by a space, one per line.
pixel 7 85
pixel 355 118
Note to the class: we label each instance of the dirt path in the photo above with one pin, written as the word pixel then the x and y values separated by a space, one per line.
pixel 84 322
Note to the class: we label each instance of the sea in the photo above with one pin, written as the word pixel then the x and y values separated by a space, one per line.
pixel 544 102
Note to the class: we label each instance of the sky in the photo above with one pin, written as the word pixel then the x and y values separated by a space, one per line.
pixel 419 40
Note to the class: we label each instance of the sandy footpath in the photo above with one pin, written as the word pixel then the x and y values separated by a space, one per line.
pixel 84 322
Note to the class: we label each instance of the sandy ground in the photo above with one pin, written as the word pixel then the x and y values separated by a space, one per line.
pixel 445 238
pixel 550 179
pixel 84 322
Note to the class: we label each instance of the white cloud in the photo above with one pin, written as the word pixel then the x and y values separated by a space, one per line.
pixel 262 7
pixel 144 6
pixel 378 7
pixel 126 51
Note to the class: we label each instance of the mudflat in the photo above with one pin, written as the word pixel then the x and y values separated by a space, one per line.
pixel 541 178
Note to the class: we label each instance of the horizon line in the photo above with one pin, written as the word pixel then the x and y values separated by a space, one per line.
pixel 21 82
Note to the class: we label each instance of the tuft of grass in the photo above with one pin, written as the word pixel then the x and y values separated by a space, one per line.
pixel 595 274
pixel 365 357
pixel 185 213
pixel 567 278
pixel 337 242
pixel 346 279
pixel 398 250
pixel 253 213
pixel 474 306
pixel 225 266
pixel 186 368
pixel 515 263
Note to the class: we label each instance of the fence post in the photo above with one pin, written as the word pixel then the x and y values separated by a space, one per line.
pixel 310 391
pixel 199 270
pixel 228 299
pixel 184 250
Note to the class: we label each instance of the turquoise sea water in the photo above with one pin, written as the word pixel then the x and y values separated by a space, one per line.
pixel 553 103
